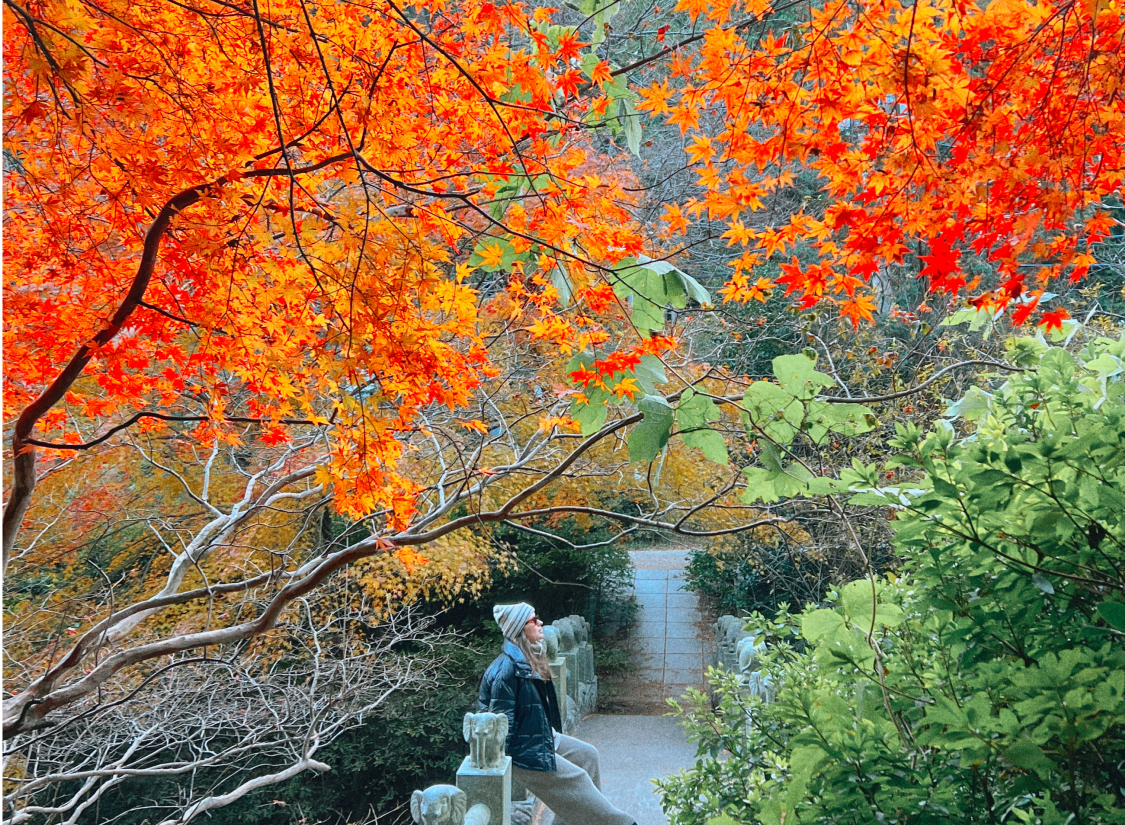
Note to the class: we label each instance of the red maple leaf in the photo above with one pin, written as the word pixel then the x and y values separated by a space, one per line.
pixel 1053 319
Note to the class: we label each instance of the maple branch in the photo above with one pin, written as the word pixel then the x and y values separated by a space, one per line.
pixel 695 38
pixel 129 422
pixel 23 444
pixel 167 314
pixel 674 47
pixel 30 24
pixel 23 452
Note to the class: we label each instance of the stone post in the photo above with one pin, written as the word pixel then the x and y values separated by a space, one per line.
pixel 490 787
pixel 559 675
pixel 568 650
pixel 585 649
pixel 486 773
pixel 587 681
pixel 557 664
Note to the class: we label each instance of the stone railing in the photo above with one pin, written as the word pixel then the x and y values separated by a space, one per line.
pixel 739 651
pixel 484 793
pixel 570 652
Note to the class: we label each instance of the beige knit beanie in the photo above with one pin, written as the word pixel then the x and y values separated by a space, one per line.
pixel 512 618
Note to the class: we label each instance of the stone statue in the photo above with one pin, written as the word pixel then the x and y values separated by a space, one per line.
pixel 749 652
pixel 439 805
pixel 727 629
pixel 567 641
pixel 523 812
pixel 581 629
pixel 486 734
pixel 551 641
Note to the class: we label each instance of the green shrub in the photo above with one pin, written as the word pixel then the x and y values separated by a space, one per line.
pixel 764 569
pixel 986 683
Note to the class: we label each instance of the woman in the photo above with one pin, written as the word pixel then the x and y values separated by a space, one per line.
pixel 560 770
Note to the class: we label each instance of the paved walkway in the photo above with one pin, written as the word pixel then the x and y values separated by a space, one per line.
pixel 667 645
pixel 634 749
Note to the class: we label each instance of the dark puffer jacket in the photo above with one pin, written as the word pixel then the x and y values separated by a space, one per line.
pixel 510 687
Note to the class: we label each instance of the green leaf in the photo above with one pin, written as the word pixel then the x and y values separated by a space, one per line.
pixel 797 376
pixel 694 289
pixel 889 615
pixel 1114 614
pixel 856 598
pixel 773 409
pixel 825 486
pixel 973 405
pixel 649 437
pixel 562 284
pixel 693 415
pixel 820 624
pixel 1029 756
pixel 664 279
pixel 590 416
pixel 647 292
pixel 823 419
pixel 647 316
pixel 631 124
pixel 649 373
pixel 695 410
pixel 759 486
pixel 713 445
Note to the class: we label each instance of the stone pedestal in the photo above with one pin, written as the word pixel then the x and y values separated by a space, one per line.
pixel 561 676
pixel 572 673
pixel 586 656
pixel 491 787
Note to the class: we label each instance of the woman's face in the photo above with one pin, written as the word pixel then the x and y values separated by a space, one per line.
pixel 533 630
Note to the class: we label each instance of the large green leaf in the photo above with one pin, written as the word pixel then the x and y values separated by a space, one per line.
pixel 773 409
pixel 798 376
pixel 561 283
pixel 649 437
pixel 631 123
pixel 693 416
pixel 820 623
pixel 650 286
pixel 769 485
pixel 823 420
pixel 1114 614
pixel 649 373
pixel 590 417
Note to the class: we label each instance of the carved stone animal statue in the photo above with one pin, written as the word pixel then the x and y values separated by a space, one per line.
pixel 581 629
pixel 567 642
pixel 486 734
pixel 551 641
pixel 439 805
pixel 750 652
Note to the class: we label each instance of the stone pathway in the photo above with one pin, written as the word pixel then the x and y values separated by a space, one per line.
pixel 667 645
pixel 634 750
